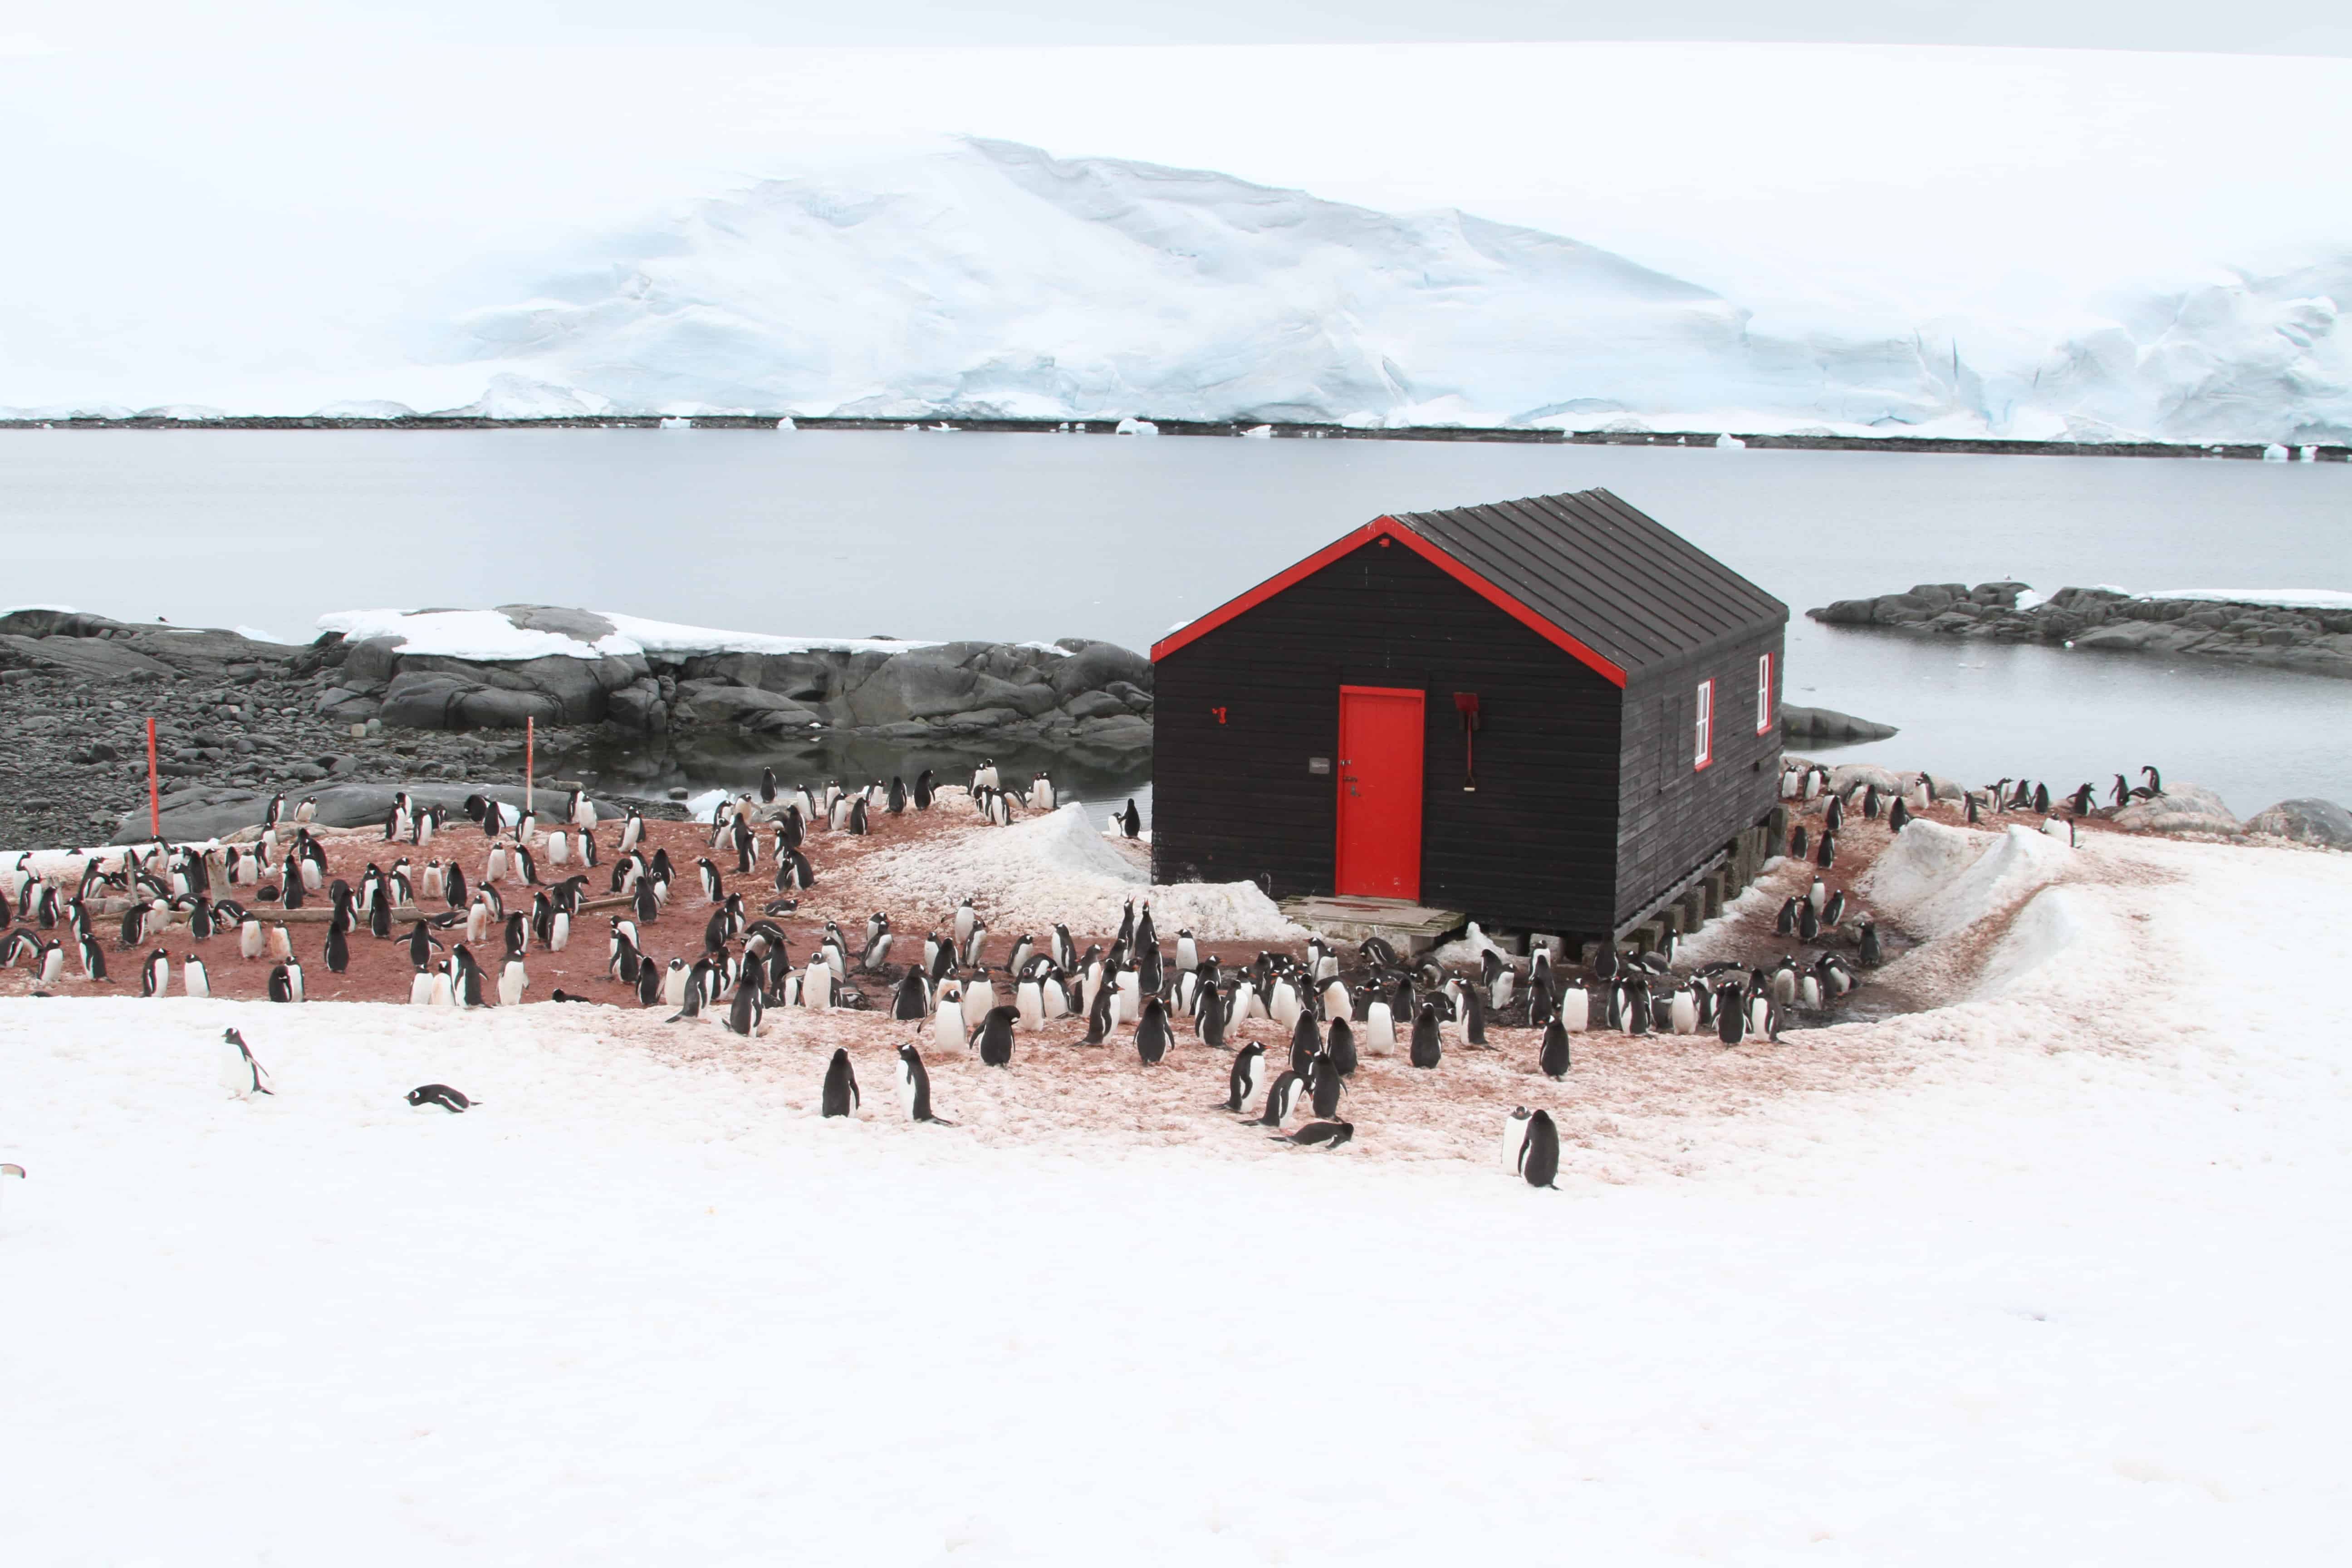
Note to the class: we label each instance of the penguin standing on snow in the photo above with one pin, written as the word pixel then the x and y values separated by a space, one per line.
pixel 1242 1082
pixel 994 1036
pixel 912 1000
pixel 194 979
pixel 155 975
pixel 1282 1099
pixel 1323 1086
pixel 1539 1155
pixel 840 1097
pixel 915 1087
pixel 1426 1047
pixel 1515 1138
pixel 1554 1057
pixel 1152 1034
pixel 239 1073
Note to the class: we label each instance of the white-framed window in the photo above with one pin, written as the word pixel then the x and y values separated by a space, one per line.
pixel 1703 731
pixel 1763 693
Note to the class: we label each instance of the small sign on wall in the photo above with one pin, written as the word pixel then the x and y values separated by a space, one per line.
pixel 1318 765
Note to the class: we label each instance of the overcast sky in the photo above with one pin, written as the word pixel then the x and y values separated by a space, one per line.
pixel 2249 26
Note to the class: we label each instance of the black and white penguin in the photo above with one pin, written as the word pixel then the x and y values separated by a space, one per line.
pixel 1427 1047
pixel 1870 956
pixel 1241 1081
pixel 1731 1016
pixel 1539 1154
pixel 281 982
pixel 1797 842
pixel 1324 1085
pixel 1341 1048
pixel 1131 821
pixel 1153 1034
pixel 1282 1099
pixel 440 1094
pixel 1326 1134
pixel 1785 925
pixel 239 1073
pixel 1553 1058
pixel 840 1097
pixel 1515 1137
pixel 1899 814
pixel 1828 855
pixel 338 949
pixel 1306 1040
pixel 994 1036
pixel 1834 814
pixel 155 975
pixel 194 979
pixel 912 999
pixel 915 1087
pixel 745 1012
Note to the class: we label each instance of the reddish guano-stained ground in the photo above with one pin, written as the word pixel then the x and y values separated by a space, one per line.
pixel 1057 1086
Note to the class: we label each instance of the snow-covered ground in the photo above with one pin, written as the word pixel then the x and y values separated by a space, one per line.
pixel 492 634
pixel 2059 1281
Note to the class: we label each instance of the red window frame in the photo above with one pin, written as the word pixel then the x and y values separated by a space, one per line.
pixel 1763 693
pixel 1703 730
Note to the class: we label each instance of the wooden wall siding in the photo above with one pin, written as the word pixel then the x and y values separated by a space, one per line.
pixel 1535 847
pixel 1671 816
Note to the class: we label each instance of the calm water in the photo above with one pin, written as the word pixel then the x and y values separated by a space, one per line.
pixel 956 535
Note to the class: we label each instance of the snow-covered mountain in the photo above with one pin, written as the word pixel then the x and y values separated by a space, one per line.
pixel 992 279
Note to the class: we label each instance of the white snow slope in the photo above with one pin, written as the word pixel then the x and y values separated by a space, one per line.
pixel 2062 1285
pixel 994 280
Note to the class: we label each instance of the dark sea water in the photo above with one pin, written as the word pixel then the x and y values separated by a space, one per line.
pixel 967 535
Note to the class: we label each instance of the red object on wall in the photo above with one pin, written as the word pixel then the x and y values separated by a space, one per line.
pixel 154 788
pixel 1379 851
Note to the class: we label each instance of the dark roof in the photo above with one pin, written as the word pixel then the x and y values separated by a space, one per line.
pixel 1618 581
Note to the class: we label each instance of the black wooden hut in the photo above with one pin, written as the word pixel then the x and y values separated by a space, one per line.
pixel 1551 714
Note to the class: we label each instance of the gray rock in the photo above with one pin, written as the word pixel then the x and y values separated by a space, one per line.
pixel 711 702
pixel 921 684
pixel 218 814
pixel 1094 705
pixel 2181 808
pixel 1094 667
pixel 2306 821
pixel 495 708
pixel 639 708
pixel 1123 732
pixel 87 658
pixel 369 666
pixel 1817 724
pixel 424 698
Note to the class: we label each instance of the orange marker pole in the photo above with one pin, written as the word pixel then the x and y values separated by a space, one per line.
pixel 529 735
pixel 154 790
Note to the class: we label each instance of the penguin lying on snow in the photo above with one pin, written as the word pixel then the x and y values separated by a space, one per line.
pixel 441 1095
pixel 1329 1134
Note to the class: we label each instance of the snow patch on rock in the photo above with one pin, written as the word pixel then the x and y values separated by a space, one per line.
pixel 1936 881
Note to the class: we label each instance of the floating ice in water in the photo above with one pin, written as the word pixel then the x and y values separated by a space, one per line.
pixel 1728 442
pixel 1259 433
pixel 2274 453
pixel 1134 426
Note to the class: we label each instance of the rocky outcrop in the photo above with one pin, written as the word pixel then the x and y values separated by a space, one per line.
pixel 2307 821
pixel 2316 641
pixel 2181 808
pixel 1828 726
pixel 1074 689
pixel 218 813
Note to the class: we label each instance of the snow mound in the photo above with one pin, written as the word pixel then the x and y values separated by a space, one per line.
pixel 188 411
pixel 521 398
pixel 2052 923
pixel 364 408
pixel 1059 868
pixel 1936 880
pixel 255 634
pixel 2269 598
pixel 492 635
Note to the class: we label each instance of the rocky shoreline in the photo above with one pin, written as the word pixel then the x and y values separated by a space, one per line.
pixel 239 719
pixel 2315 641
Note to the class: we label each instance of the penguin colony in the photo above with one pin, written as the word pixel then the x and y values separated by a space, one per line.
pixel 1166 999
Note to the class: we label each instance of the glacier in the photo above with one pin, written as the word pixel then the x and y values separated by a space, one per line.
pixel 992 279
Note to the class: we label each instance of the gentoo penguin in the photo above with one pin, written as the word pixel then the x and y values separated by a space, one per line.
pixel 947 1019
pixel 1426 1049
pixel 155 975
pixel 1539 1155
pixel 1152 1034
pixel 281 941
pixel 1870 956
pixel 281 983
pixel 1305 1042
pixel 1731 1014
pixel 1827 858
pixel 440 1094
pixel 840 1097
pixel 1554 1057
pixel 420 989
pixel 1341 1048
pixel 239 1073
pixel 195 980
pixel 1241 1081
pixel 1515 1137
pixel 1900 814
pixel 511 982
pixel 915 1087
pixel 1324 1085
pixel 745 1012
pixel 995 1038
pixel 1380 1030
pixel 912 1001
pixel 1131 821
pixel 339 949
pixel 1328 1134
pixel 1282 1099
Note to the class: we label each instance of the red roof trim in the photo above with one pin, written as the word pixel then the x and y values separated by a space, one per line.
pixel 1347 544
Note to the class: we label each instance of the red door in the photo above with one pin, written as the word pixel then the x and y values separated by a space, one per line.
pixel 1379 792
